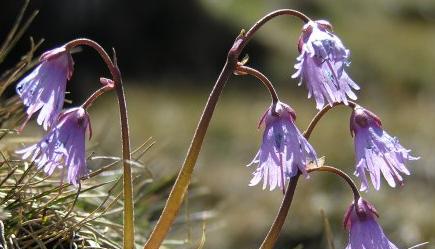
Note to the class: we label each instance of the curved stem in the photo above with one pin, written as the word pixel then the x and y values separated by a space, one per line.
pixel 321 113
pixel 179 189
pixel 128 219
pixel 268 17
pixel 176 196
pixel 88 102
pixel 243 70
pixel 275 229
pixel 272 235
pixel 97 47
pixel 343 175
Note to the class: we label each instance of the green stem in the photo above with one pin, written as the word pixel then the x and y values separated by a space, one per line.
pixel 128 242
pixel 181 184
pixel 176 196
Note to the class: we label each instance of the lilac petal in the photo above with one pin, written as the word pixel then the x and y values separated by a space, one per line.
pixel 44 88
pixel 63 145
pixel 283 152
pixel 321 66
pixel 364 230
pixel 376 151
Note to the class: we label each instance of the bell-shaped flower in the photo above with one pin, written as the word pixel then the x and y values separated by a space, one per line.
pixel 376 151
pixel 364 230
pixel 283 152
pixel 63 146
pixel 321 65
pixel 43 89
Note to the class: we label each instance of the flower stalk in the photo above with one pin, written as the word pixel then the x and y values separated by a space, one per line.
pixel 128 219
pixel 181 184
pixel 273 233
pixel 245 70
pixel 321 113
pixel 343 175
pixel 88 102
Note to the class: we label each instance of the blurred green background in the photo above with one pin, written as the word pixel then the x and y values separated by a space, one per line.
pixel 171 52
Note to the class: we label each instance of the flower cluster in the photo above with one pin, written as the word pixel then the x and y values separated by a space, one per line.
pixel 284 152
pixel 43 90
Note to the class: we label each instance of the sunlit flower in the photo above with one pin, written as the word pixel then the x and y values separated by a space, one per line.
pixel 364 230
pixel 63 146
pixel 44 88
pixel 321 64
pixel 376 151
pixel 283 152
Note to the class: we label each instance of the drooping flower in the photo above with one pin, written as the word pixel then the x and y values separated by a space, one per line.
pixel 283 152
pixel 321 64
pixel 63 146
pixel 43 89
pixel 376 151
pixel 364 230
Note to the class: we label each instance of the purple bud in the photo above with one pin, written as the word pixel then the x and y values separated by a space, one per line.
pixel 283 152
pixel 63 146
pixel 364 230
pixel 376 151
pixel 44 88
pixel 321 64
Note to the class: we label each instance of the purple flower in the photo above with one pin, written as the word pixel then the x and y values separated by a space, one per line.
pixel 364 230
pixel 321 64
pixel 64 145
pixel 284 150
pixel 44 88
pixel 376 151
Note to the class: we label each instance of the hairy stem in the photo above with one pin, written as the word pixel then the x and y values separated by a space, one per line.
pixel 176 196
pixel 128 219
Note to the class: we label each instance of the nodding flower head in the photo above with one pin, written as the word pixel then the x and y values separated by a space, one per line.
pixel 63 146
pixel 376 151
pixel 43 89
pixel 321 64
pixel 283 152
pixel 364 230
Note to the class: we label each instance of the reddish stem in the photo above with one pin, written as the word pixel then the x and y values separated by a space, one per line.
pixel 243 70
pixel 321 113
pixel 181 184
pixel 343 175
pixel 88 102
pixel 272 235
pixel 128 238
